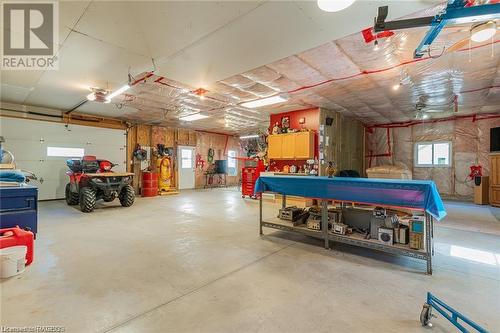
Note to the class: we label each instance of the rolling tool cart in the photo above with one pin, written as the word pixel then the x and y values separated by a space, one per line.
pixel 448 312
pixel 249 175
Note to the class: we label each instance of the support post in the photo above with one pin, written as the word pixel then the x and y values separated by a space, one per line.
pixel 260 215
pixel 428 242
pixel 432 233
pixel 283 200
pixel 324 222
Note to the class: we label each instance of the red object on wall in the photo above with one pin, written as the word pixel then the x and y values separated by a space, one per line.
pixel 311 117
pixel 149 184
pixel 249 176
pixel 17 237
pixel 475 171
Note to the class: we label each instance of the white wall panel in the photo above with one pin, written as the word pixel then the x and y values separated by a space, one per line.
pixel 28 141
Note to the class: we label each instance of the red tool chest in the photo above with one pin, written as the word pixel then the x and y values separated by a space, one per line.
pixel 249 174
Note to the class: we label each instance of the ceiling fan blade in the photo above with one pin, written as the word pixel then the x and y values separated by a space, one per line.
pixel 458 45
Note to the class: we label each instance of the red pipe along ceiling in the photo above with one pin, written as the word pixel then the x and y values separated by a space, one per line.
pixel 381 70
pixel 365 72
pixel 474 118
pixel 226 103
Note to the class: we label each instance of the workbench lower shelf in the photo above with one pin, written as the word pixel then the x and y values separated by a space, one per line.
pixel 354 239
pixel 396 249
pixel 276 223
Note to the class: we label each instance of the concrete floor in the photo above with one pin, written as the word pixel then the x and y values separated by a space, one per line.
pixel 196 263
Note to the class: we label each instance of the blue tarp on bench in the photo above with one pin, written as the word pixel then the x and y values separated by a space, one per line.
pixel 420 194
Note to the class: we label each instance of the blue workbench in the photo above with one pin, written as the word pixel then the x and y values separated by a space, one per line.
pixel 413 194
pixel 419 195
pixel 18 206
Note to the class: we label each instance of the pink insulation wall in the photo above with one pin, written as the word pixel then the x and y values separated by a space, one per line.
pixel 470 140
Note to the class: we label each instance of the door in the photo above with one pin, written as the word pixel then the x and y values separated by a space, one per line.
pixel 43 147
pixel 186 167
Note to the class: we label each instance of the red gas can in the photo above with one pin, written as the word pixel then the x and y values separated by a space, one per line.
pixel 17 236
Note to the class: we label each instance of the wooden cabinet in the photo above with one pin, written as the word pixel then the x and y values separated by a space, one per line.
pixel 304 145
pixel 288 146
pixel 481 191
pixel 291 146
pixel 274 146
pixel 495 180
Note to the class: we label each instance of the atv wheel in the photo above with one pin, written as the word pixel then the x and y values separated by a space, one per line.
pixel 127 196
pixel 109 198
pixel 71 198
pixel 87 199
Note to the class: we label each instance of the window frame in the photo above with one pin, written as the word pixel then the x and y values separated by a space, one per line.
pixel 235 163
pixel 182 159
pixel 432 143
pixel 64 155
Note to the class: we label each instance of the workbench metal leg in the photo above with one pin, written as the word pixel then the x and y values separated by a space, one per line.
pixel 324 222
pixel 283 201
pixel 260 215
pixel 428 242
pixel 432 234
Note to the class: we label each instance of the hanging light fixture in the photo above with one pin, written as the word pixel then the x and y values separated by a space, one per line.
pixel 375 46
pixel 91 97
pixel 482 32
pixel 334 5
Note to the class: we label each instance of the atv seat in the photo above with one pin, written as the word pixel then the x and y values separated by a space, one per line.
pixel 88 164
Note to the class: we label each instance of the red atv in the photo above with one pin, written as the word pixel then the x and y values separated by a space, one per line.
pixel 92 179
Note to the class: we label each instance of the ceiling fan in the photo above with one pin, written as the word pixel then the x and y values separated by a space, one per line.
pixel 424 111
pixel 456 12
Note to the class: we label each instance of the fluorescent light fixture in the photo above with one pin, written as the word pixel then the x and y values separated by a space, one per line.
pixel 251 136
pixel 483 31
pixel 264 101
pixel 334 5
pixel 193 117
pixel 118 92
pixel 91 96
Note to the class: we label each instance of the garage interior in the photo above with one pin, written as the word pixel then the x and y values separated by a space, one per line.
pixel 263 166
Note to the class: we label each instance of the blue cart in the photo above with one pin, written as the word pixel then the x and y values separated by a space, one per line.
pixel 448 312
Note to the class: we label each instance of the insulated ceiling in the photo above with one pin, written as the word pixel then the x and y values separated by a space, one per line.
pixel 346 75
pixel 216 45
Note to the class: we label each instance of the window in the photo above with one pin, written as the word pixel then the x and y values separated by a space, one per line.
pixel 433 154
pixel 186 158
pixel 65 152
pixel 232 163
